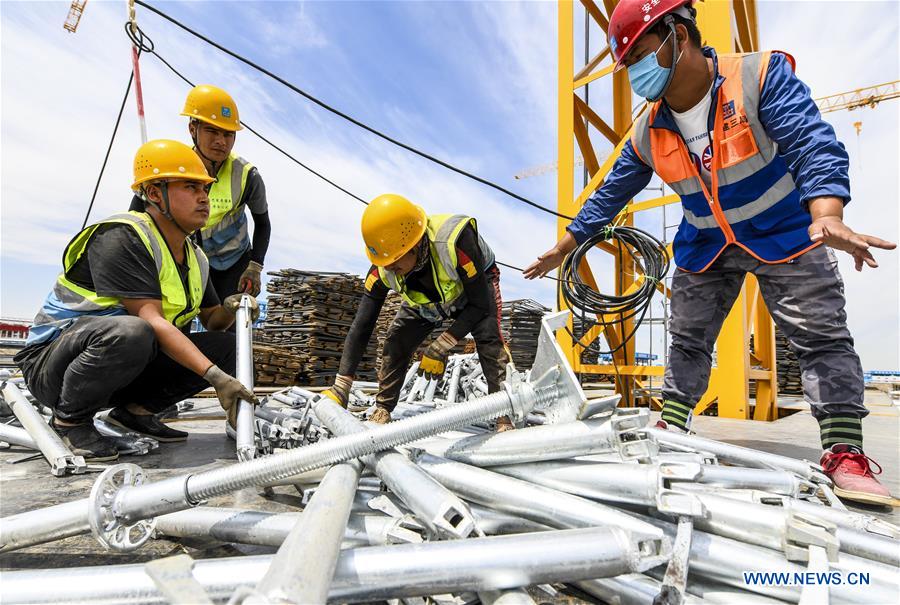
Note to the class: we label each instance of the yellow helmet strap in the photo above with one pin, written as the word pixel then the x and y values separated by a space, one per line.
pixel 196 128
pixel 165 209
pixel 422 253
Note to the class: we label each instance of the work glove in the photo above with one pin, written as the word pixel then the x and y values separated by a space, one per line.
pixel 434 360
pixel 233 303
pixel 251 279
pixel 340 390
pixel 229 390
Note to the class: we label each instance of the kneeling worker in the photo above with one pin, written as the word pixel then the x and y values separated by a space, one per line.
pixel 112 332
pixel 442 269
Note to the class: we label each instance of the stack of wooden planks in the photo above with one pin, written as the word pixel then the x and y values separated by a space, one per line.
pixel 521 324
pixel 309 314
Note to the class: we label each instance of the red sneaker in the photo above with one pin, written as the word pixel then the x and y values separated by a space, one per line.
pixel 853 478
pixel 662 424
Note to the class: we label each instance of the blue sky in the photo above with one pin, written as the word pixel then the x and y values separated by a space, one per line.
pixel 471 82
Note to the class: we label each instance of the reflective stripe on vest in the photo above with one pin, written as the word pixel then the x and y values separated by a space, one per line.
pixel 442 230
pixel 68 301
pixel 750 181
pixel 226 236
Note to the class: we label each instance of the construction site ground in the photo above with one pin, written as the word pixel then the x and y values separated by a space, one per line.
pixel 29 485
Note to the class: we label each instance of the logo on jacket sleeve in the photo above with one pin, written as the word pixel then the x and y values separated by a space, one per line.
pixel 728 109
pixel 371 279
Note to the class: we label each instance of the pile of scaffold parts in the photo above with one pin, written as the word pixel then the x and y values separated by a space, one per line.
pixel 583 499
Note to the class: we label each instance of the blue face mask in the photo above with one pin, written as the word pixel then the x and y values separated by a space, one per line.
pixel 648 78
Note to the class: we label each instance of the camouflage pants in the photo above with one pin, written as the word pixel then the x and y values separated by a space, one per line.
pixel 806 299
pixel 409 330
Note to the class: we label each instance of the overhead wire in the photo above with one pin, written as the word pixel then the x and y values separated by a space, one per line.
pixel 145 43
pixel 350 118
pixel 579 296
pixel 109 147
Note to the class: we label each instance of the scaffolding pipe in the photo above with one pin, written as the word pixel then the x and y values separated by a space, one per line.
pixel 363 574
pixel 245 440
pixel 60 458
pixel 131 504
pixel 440 510
pixel 302 570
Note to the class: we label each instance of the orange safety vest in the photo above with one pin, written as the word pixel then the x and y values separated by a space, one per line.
pixel 753 202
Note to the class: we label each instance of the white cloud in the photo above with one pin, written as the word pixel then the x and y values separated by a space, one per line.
pixel 55 135
pixel 60 93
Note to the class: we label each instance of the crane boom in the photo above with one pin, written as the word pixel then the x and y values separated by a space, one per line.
pixel 74 16
pixel 861 97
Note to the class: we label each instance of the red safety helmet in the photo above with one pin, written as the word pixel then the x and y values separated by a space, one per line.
pixel 631 18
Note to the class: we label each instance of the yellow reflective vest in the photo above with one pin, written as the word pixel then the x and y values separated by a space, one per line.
pixel 68 301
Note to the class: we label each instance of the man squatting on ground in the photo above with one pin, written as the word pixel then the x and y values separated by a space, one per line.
pixel 113 332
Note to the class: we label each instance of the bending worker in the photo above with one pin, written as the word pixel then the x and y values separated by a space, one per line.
pixel 442 269
pixel 763 183
pixel 235 263
pixel 111 333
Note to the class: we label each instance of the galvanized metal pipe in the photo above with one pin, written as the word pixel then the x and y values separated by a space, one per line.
pixel 736 454
pixel 516 596
pixel 245 443
pixel 53 523
pixel 494 522
pixel 774 481
pixel 725 560
pixel 179 493
pixel 627 589
pixel 546 442
pixel 493 563
pixel 534 502
pixel 453 387
pixel 626 483
pixel 441 511
pixel 17 436
pixel 270 529
pixel 45 438
pixel 302 570
pixel 841 518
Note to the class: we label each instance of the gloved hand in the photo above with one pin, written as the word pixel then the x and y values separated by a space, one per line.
pixel 340 390
pixel 229 390
pixel 251 279
pixel 233 303
pixel 434 360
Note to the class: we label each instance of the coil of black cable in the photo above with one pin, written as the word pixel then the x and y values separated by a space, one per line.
pixel 653 262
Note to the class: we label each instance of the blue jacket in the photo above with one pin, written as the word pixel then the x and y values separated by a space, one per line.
pixel 817 161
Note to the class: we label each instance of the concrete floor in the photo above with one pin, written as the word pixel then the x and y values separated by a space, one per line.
pixel 28 485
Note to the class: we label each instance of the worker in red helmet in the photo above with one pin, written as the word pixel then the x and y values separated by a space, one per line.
pixel 763 182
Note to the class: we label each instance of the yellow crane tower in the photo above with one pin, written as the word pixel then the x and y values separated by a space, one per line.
pixel 729 26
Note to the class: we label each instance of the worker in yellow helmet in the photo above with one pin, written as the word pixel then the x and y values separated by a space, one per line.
pixel 235 259
pixel 442 269
pixel 113 331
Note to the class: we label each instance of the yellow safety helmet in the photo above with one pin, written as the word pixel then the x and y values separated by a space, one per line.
pixel 212 105
pixel 166 159
pixel 391 226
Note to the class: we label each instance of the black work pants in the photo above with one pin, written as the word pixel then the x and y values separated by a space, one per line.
pixel 112 361
pixel 409 330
